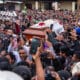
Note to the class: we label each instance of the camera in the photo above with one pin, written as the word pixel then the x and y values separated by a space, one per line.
pixel 35 43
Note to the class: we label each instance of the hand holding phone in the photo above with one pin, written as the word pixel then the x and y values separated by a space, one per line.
pixel 35 43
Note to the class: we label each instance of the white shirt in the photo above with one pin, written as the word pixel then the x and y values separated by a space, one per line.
pixel 26 49
pixel 17 56
pixel 76 68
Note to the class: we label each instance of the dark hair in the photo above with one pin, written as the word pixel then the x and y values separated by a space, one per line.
pixel 65 50
pixel 49 77
pixel 22 63
pixel 57 47
pixel 77 53
pixel 5 66
pixel 69 30
pixel 18 39
pixel 23 71
pixel 12 56
pixel 4 59
pixel 64 75
pixel 20 48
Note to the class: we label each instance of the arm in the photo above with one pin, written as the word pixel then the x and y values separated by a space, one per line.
pixel 57 77
pixel 39 68
pixel 10 48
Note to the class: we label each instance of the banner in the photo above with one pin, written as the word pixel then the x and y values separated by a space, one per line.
pixel 8 13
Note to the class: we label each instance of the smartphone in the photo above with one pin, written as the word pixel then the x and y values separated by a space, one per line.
pixel 51 37
pixel 35 43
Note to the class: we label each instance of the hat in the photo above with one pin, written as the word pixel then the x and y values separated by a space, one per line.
pixel 7 75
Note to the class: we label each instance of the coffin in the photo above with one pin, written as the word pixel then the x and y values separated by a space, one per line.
pixel 29 33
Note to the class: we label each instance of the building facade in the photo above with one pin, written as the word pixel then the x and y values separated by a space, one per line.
pixel 50 4
pixel 11 4
pixel 41 4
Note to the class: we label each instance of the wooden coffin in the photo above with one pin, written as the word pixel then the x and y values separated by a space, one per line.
pixel 34 32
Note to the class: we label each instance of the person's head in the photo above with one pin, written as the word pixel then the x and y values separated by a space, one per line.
pixel 4 63
pixel 3 53
pixel 64 51
pixel 22 63
pixel 6 22
pixel 22 54
pixel 57 47
pixel 23 71
pixel 9 32
pixel 64 75
pixel 48 69
pixel 7 75
pixel 76 56
pixel 60 37
pixel 10 57
pixel 4 59
pixel 72 33
pixel 50 73
pixel 5 66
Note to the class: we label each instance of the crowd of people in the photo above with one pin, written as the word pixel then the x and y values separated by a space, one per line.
pixel 57 57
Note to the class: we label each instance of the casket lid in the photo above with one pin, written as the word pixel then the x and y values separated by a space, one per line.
pixel 34 32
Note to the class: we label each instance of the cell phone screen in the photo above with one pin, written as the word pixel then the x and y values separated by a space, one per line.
pixel 34 45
